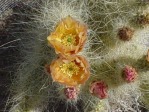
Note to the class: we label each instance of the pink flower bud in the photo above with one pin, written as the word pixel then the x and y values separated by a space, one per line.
pixel 129 74
pixel 71 93
pixel 99 89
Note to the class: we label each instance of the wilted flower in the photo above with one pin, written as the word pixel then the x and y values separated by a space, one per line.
pixel 69 36
pixel 71 93
pixel 129 74
pixel 99 89
pixel 71 72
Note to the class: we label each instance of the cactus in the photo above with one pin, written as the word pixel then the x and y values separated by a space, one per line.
pixel 115 47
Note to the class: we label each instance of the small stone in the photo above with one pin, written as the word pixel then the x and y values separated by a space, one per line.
pixel 125 33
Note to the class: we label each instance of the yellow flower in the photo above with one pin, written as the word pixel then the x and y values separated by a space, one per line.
pixel 69 36
pixel 71 72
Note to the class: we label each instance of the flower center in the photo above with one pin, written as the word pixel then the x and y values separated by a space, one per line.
pixel 69 69
pixel 69 40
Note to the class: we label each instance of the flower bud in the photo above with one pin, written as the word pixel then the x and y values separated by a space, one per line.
pixel 129 74
pixel 125 33
pixel 71 93
pixel 143 19
pixel 99 89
